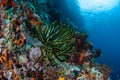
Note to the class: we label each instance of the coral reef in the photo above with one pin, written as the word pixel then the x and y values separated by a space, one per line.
pixel 35 47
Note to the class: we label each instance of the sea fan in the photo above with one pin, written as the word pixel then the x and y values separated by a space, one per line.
pixel 57 40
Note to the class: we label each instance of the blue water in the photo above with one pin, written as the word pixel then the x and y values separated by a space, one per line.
pixel 103 28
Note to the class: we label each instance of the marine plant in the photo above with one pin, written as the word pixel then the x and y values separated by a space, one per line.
pixel 57 40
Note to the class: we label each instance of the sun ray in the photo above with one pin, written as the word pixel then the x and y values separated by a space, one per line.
pixel 97 5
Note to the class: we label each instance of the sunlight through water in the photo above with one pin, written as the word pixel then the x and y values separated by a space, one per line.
pixel 97 5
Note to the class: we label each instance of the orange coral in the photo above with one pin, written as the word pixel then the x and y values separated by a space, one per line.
pixel 20 42
pixel 32 78
pixel 16 77
pixel 36 22
pixel 3 57
pixel 1 60
pixel 93 77
pixel 16 42
pixel 10 64
pixel 34 19
pixel 61 78
pixel 82 55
